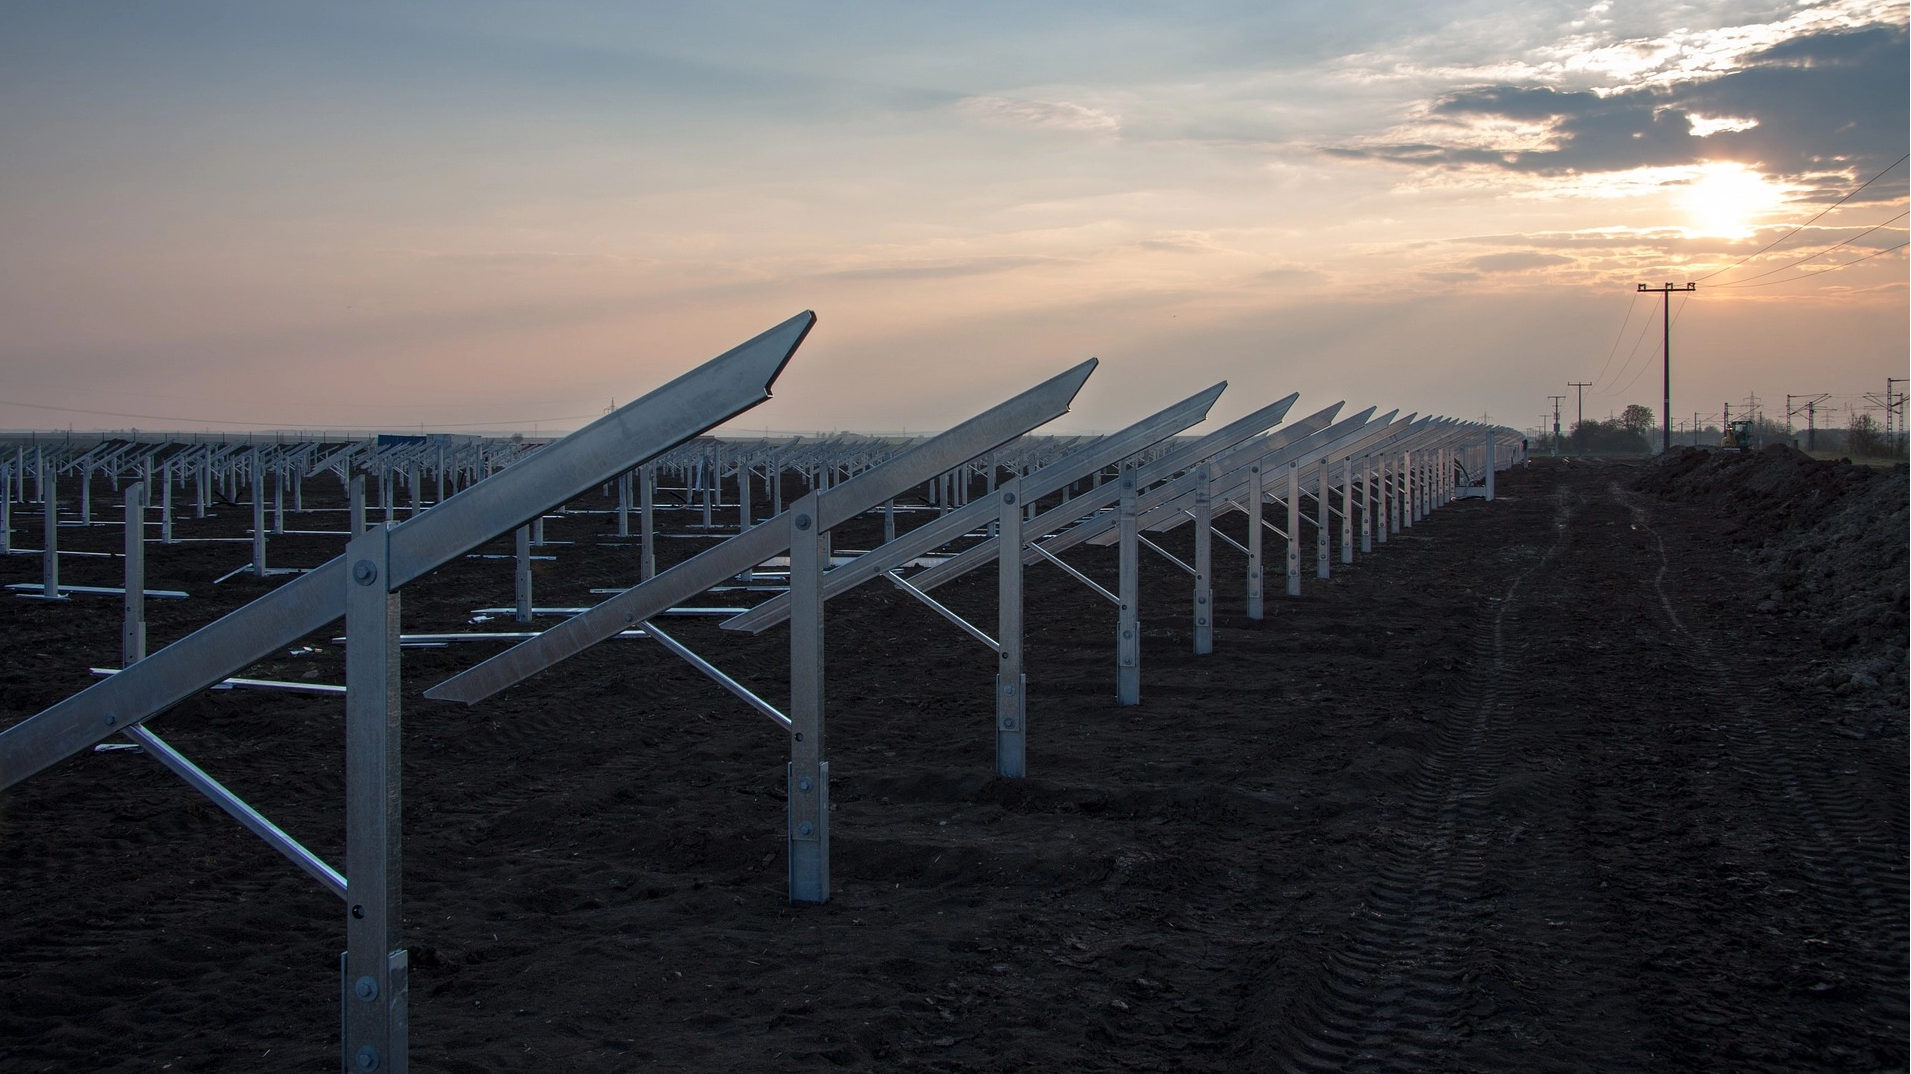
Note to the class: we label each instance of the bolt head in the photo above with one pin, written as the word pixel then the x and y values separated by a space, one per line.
pixel 802 522
pixel 367 1058
pixel 1008 722
pixel 805 785
pixel 364 572
pixel 806 828
pixel 1008 497
pixel 366 988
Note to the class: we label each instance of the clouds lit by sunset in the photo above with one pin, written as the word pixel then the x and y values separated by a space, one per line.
pixel 484 215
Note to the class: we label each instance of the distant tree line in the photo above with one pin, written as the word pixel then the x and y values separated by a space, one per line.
pixel 1636 432
pixel 1623 435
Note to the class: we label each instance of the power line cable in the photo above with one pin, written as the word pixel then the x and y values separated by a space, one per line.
pixel 1807 223
pixel 1634 353
pixel 1748 280
pixel 1616 339
pixel 1833 268
pixel 1643 366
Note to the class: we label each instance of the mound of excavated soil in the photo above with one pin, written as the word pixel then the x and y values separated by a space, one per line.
pixel 1829 537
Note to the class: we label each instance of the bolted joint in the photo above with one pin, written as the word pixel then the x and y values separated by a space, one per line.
pixel 1008 497
pixel 365 988
pixel 803 522
pixel 367 1058
pixel 364 572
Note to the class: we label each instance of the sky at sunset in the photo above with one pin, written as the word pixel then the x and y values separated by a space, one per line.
pixel 465 216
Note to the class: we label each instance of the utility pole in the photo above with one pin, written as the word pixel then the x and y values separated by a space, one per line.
pixel 1557 399
pixel 1810 407
pixel 1666 318
pixel 1582 385
pixel 1894 403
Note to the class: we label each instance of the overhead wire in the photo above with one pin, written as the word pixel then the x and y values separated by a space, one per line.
pixel 1832 268
pixel 1807 223
pixel 1747 281
pixel 1643 366
pixel 1619 336
pixel 1651 318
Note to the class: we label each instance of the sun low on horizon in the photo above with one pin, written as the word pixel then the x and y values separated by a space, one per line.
pixel 228 217
pixel 1729 200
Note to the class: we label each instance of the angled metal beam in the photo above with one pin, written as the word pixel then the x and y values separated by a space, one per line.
pixel 943 610
pixel 1072 572
pixel 706 396
pixel 1071 467
pixel 1104 496
pixel 1170 499
pixel 988 430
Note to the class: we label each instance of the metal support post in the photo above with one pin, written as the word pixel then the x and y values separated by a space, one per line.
pixel 373 984
pixel 1346 509
pixel 647 514
pixel 50 543
pixel 1293 529
pixel 1128 628
pixel 278 496
pixel 1323 495
pixel 743 497
pixel 86 495
pixel 1011 685
pixel 706 484
pixel 258 515
pixel 357 497
pixel 1203 559
pixel 1366 505
pixel 889 520
pixel 1390 510
pixel 1491 468
pixel 623 505
pixel 1409 475
pixel 166 506
pixel 809 768
pixel 1256 495
pixel 132 643
pixel 524 574
pixel 6 510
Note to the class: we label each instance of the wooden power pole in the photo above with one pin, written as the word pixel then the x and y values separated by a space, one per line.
pixel 1665 415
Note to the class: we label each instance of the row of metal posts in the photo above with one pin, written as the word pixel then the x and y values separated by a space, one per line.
pixel 373 982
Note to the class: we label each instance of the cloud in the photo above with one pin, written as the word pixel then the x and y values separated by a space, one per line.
pixel 1517 261
pixel 1830 102
pixel 1040 115
pixel 1706 126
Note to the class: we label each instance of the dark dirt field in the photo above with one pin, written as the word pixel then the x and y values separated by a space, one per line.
pixel 1583 779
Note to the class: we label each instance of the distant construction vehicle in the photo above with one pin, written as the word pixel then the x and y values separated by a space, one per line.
pixel 1738 436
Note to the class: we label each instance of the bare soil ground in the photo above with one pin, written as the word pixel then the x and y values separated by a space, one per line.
pixel 1535 786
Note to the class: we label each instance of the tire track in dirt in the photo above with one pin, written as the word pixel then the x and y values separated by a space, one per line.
pixel 1391 996
pixel 1852 859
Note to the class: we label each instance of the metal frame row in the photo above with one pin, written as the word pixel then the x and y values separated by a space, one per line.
pixel 1060 493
